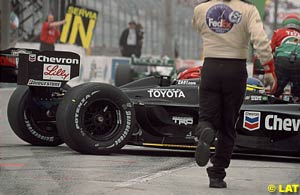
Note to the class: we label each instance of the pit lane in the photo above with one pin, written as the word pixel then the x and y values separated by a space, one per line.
pixel 25 169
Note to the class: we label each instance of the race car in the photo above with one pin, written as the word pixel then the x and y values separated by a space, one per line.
pixel 144 67
pixel 8 67
pixel 98 118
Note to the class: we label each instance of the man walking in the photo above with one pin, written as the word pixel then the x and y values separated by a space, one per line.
pixel 226 27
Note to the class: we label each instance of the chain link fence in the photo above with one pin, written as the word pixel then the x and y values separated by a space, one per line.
pixel 114 16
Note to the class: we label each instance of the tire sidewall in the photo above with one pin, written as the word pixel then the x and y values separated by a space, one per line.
pixel 75 111
pixel 123 75
pixel 21 123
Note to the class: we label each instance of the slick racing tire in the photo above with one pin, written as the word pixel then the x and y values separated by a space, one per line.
pixel 123 75
pixel 29 120
pixel 95 118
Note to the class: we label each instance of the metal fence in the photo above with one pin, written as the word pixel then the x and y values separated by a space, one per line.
pixel 114 16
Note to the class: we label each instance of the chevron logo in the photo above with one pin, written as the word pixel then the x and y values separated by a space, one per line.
pixel 251 120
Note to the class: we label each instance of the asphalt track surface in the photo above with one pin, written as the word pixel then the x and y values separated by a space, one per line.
pixel 26 169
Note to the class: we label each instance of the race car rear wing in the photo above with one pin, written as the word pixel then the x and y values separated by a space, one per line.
pixel 38 68
pixel 9 64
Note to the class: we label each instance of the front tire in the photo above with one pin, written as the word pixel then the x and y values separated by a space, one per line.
pixel 95 118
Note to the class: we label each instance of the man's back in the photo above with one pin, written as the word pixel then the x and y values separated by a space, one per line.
pixel 227 27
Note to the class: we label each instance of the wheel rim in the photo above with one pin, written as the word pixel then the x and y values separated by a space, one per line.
pixel 101 119
pixel 36 118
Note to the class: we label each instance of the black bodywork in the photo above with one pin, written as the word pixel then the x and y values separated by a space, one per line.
pixel 24 65
pixel 166 110
pixel 167 114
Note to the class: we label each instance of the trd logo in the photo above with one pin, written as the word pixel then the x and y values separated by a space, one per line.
pixel 183 120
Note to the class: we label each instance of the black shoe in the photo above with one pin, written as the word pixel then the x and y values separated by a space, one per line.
pixel 217 183
pixel 202 153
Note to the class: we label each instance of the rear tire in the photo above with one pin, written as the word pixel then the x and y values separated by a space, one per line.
pixel 123 75
pixel 95 118
pixel 28 119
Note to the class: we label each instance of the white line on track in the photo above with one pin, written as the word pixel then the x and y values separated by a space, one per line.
pixel 149 177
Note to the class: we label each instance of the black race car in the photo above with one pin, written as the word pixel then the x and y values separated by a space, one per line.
pixel 97 118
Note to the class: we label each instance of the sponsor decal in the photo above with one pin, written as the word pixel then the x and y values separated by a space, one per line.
pixel 126 131
pixel 56 60
pixel 34 132
pixel 57 72
pixel 247 97
pixel 166 93
pixel 221 18
pixel 82 102
pixel 189 136
pixel 79 26
pixel 186 82
pixel 32 58
pixel 256 98
pixel 251 120
pixel 183 120
pixel 32 82
pixel 275 123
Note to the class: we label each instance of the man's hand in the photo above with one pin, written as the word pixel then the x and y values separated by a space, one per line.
pixel 270 80
pixel 270 76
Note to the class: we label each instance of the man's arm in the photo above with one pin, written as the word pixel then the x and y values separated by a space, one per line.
pixel 196 19
pixel 262 45
pixel 259 37
pixel 56 24
pixel 274 43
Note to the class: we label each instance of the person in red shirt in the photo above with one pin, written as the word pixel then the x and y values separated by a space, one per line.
pixel 286 49
pixel 50 33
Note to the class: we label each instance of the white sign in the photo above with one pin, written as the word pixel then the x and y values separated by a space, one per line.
pixel 57 72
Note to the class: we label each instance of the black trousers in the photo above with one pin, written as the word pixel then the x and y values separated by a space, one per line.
pixel 222 90
pixel 128 51
pixel 46 47
pixel 286 72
